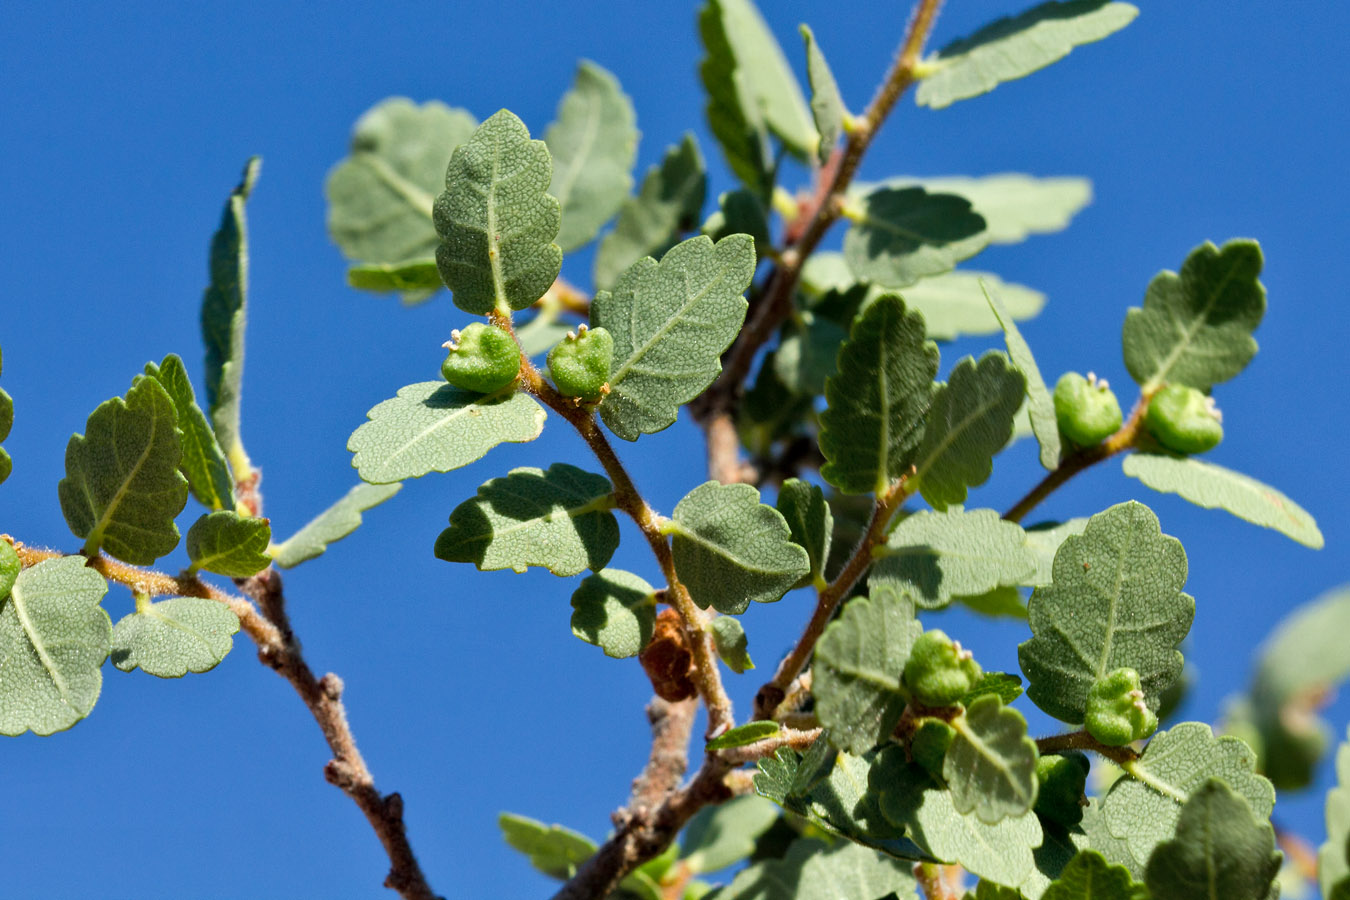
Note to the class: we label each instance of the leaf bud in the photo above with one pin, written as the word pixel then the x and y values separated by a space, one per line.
pixel 579 363
pixel 928 746
pixel 482 359
pixel 1116 710
pixel 1184 419
pixel 939 671
pixel 1086 409
pixel 1062 779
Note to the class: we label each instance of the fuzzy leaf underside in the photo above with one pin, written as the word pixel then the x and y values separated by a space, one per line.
pixel 203 461
pixel 902 234
pixel 1040 405
pixel 333 524
pixel 615 610
pixel 734 118
pixel 812 870
pixel 1014 206
pixel 990 767
pixel 722 835
pixel 827 106
pixel 170 638
pixel 953 304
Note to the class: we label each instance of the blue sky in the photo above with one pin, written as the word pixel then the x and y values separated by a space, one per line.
pixel 127 124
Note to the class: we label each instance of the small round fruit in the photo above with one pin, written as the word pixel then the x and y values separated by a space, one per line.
pixel 1061 780
pixel 1116 710
pixel 929 745
pixel 482 359
pixel 1086 409
pixel 1184 419
pixel 939 671
pixel 579 364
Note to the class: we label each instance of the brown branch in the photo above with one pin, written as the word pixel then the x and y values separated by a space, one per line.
pixel 929 877
pixel 671 724
pixel 1081 740
pixel 787 737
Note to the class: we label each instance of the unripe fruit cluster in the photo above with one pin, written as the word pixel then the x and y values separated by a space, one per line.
pixel 579 364
pixel 1086 409
pixel 939 671
pixel 1184 419
pixel 1062 779
pixel 1116 710
pixel 482 359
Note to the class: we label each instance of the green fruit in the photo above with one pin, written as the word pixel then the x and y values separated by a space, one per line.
pixel 1184 419
pixel 929 745
pixel 482 358
pixel 1116 711
pixel 1061 780
pixel 1086 409
pixel 579 364
pixel 939 672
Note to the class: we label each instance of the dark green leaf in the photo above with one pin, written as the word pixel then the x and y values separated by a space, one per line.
pixel 1221 852
pixel 227 543
pixel 413 277
pixel 807 355
pixel 740 212
pixel 333 524
pixel 720 836
pixel 615 610
pixel 552 849
pixel 990 767
pixel 10 566
pixel 735 119
pixel 203 462
pixel 1002 685
pixel 810 520
pixel 170 638
pixel 1040 405
pixel 900 235
pixel 742 735
pixel 1015 206
pixel 827 106
pixel 1088 876
pixel 729 637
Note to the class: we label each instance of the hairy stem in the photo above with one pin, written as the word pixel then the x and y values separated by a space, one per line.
pixel 1081 740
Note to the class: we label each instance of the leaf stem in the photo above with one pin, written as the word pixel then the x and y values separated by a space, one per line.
pixel 1081 740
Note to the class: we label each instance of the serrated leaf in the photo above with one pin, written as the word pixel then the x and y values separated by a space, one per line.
pixel 433 427
pixel 1044 540
pixel 496 220
pixel 670 322
pixel 807 355
pixel 734 117
pixel 990 767
pixel 936 556
pixel 809 519
pixel 827 106
pixel 54 638
pixel 1143 809
pixel 1115 601
pixel 1214 487
pixel 333 524
pixel 1196 328
pixel 740 212
pixel 877 401
pixel 203 461
pixel 969 421
pixel 122 488
pixel 858 664
pixel 559 519
pixel 1333 858
pixel 224 316
pixel 1040 405
pixel 900 235
pixel 770 83
pixel 1014 47
pixel 414 277
pixel 731 549
pixel 1005 686
pixel 812 870
pixel 1014 206
pixel 615 610
pixel 723 835
pixel 593 142
pixel 952 304
pixel 1220 851
pixel 729 637
pixel 743 735
pixel 170 638
pixel 1088 876
pixel 552 849
pixel 227 543
pixel 667 205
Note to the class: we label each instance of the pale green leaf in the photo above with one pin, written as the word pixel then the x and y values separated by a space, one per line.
pixel 812 870
pixel 670 322
pixel 433 427
pixel 900 235
pixel 1099 837
pixel 552 849
pixel 541 333
pixel 810 520
pixel 970 420
pixel 1333 857
pixel 953 304
pixel 735 119
pixel 877 401
pixel 615 610
pixel 415 278
pixel 594 143
pixel 1221 852
pixel 807 355
pixel 936 556
pixel 170 638
pixel 203 461
pixel 1214 487
pixel 1016 46
pixel 743 735
pixel 122 488
pixel 1143 809
pixel 1005 602
pixel 740 212
pixel 990 767
pixel 1115 601
pixel 333 524
pixel 830 788
pixel 1002 685
pixel 10 566
pixel 858 664
pixel 496 220
pixel 1196 328
pixel 731 549
pixel 227 543
pixel 723 835
pixel 667 205
pixel 1044 540
pixel 732 645
pixel 1088 876
pixel 54 638
pixel 1040 406
pixel 769 80
pixel 1013 205
pixel 827 106
pixel 559 519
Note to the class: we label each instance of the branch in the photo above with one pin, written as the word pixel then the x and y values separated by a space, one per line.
pixel 671 726
pixel 1081 740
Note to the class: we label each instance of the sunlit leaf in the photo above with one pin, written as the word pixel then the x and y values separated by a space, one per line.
pixel 203 460
pixel 615 610
pixel 953 303
pixel 333 524
pixel 1014 206
pixel 743 735
pixel 900 235
pixel 552 849
pixel 827 106
pixel 734 116
pixel 1040 405
pixel 414 277
pixel 722 835
pixel 1333 858
pixel 732 645
pixel 227 543
pixel 170 638
pixel 812 870
pixel 990 767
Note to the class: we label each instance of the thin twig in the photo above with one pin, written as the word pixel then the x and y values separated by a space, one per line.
pixel 671 724
pixel 787 737
pixel 1081 740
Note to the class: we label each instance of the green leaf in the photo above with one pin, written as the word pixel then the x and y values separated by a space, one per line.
pixel 874 420
pixel 1088 876
pixel 671 321
pixel 333 524
pixel 1196 328
pixel 1005 686
pixel 827 106
pixel 1212 486
pixel 1016 46
pixel 729 637
pixel 953 304
pixel 1143 809
pixel 560 519
pixel 170 638
pixel 54 638
pixel 1005 602
pixel 433 427
pixel 1115 601
pixel 227 543
pixel 731 549
pixel 6 414
pixel 10 566
pixel 552 849
pixel 812 870
pixel 496 221
pixel 224 315
pixel 1221 852
pixel 1040 405
pixel 6 465
pixel 990 767
pixel 1333 858
pixel 740 212
pixel 122 488
pixel 414 277
pixel 970 420
pixel 734 117
pixel 723 835
pixel 743 735
pixel 1044 540
pixel 203 461
pixel 616 611
pixel 859 661
pixel 809 518
pixel 1014 206
pixel 936 556
pixel 900 235
pixel 593 143
pixel 769 81
pixel 667 205
pixel 808 353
